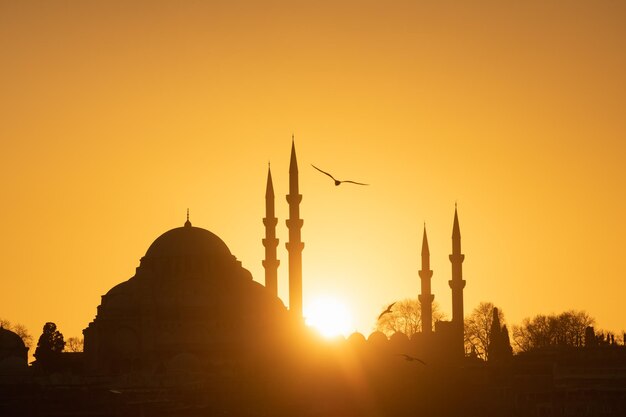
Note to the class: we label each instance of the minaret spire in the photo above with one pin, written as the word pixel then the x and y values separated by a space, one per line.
pixel 293 169
pixel 456 233
pixel 426 298
pixel 187 223
pixel 270 242
pixel 457 283
pixel 295 245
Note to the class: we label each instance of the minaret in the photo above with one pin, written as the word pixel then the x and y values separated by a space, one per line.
pixel 270 242
pixel 426 298
pixel 187 223
pixel 295 245
pixel 457 283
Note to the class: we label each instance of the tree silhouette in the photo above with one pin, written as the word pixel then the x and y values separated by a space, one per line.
pixel 599 337
pixel 49 347
pixel 22 332
pixel 74 344
pixel 565 329
pixel 479 326
pixel 508 348
pixel 18 329
pixel 499 344
pixel 590 337
pixel 406 317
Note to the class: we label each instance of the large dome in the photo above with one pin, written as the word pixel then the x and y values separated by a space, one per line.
pixel 189 300
pixel 188 241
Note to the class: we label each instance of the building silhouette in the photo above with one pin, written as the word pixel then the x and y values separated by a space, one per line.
pixel 190 307
pixel 13 354
pixel 457 283
pixel 270 242
pixel 446 342
pixel 295 245
pixel 192 334
pixel 426 298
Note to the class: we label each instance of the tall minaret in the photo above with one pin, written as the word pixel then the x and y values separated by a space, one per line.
pixel 457 283
pixel 270 242
pixel 295 245
pixel 426 298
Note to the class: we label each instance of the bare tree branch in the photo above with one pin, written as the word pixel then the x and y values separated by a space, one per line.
pixel 406 317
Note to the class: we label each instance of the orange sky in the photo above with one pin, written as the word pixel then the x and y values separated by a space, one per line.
pixel 117 116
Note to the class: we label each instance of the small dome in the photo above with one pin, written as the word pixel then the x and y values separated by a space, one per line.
pixel 356 338
pixel 399 342
pixel 399 337
pixel 188 241
pixel 377 338
pixel 10 340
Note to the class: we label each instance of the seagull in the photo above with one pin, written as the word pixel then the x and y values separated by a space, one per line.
pixel 410 358
pixel 388 310
pixel 337 182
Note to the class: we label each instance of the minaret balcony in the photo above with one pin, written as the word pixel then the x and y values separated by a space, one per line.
pixel 457 284
pixel 294 223
pixel 294 198
pixel 457 257
pixel 426 298
pixel 270 221
pixel 271 242
pixel 294 246
pixel 270 263
pixel 425 274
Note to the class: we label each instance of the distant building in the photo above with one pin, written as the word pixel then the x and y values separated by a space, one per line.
pixel 13 354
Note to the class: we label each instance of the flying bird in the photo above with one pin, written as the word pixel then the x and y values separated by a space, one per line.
pixel 410 358
pixel 337 182
pixel 388 310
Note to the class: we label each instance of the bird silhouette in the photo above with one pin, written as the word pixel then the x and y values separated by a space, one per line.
pixel 388 310
pixel 337 182
pixel 410 358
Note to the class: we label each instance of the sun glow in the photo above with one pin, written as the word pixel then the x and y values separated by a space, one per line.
pixel 328 316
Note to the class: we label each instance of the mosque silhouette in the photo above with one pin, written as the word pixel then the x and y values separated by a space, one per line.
pixel 192 307
pixel 192 334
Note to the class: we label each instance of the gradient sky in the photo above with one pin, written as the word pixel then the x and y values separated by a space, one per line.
pixel 116 116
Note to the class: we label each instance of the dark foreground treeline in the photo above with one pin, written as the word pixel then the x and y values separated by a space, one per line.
pixel 347 379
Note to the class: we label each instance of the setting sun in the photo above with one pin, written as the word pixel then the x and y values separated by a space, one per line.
pixel 330 317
